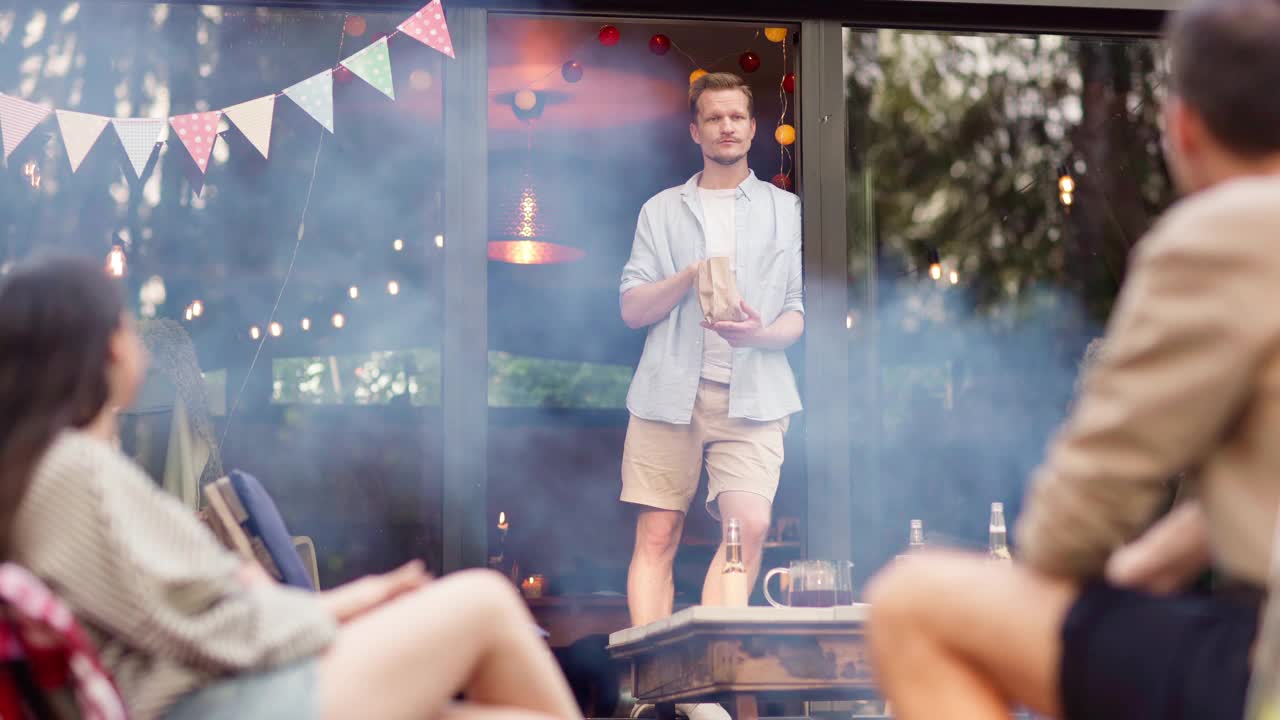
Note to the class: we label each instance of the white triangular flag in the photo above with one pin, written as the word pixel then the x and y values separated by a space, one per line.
pixel 79 132
pixel 18 118
pixel 253 118
pixel 139 137
pixel 315 95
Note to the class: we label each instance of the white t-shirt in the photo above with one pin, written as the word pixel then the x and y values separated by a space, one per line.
pixel 718 219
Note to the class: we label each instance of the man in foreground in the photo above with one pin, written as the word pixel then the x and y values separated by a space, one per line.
pixel 1085 625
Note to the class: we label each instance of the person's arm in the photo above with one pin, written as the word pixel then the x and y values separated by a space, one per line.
pixel 1186 340
pixel 357 597
pixel 648 292
pixel 646 304
pixel 137 565
pixel 1168 556
pixel 778 335
pixel 785 329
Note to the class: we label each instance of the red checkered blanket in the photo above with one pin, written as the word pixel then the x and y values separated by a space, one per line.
pixel 44 651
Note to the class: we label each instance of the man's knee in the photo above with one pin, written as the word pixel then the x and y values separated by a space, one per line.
pixel 754 526
pixel 658 534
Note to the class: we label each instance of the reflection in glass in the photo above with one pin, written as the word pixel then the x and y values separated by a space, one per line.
pixel 997 185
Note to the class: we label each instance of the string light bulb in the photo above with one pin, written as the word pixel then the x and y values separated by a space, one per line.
pixel 197 308
pixel 255 332
pixel 275 329
pixel 188 313
pixel 1066 183
pixel 1067 198
pixel 935 271
pixel 954 277
pixel 306 324
pixel 116 262
pixel 339 320
pixel 397 245
pixel 393 288
pixel 353 292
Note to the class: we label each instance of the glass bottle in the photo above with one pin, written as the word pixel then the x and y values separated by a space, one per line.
pixel 915 541
pixel 735 592
pixel 998 545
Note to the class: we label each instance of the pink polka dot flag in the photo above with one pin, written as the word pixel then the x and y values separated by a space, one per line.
pixel 428 26
pixel 197 131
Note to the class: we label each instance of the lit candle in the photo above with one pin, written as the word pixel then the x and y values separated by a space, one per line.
pixel 533 586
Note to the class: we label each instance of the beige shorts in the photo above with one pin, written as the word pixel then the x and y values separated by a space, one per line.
pixel 662 462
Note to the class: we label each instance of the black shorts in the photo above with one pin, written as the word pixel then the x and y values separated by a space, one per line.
pixel 1132 656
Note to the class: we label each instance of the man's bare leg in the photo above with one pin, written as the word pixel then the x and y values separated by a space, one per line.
pixel 956 635
pixel 650 587
pixel 753 513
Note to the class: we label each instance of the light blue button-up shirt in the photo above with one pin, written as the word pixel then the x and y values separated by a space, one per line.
pixel 670 236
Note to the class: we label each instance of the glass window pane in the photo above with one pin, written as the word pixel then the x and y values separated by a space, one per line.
pixel 290 295
pixel 997 184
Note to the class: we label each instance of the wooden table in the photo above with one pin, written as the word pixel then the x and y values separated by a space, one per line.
pixel 740 655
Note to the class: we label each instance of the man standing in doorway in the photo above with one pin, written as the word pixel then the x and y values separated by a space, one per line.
pixel 716 392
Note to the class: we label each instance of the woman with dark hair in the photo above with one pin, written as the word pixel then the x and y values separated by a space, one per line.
pixel 185 629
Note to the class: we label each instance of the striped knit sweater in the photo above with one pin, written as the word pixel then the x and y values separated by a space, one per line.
pixel 158 594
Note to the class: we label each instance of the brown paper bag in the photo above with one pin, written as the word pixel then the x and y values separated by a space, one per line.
pixel 718 291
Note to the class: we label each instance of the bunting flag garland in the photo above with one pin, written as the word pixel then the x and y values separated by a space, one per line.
pixel 139 137
pixel 253 118
pixel 428 27
pixel 315 95
pixel 18 118
pixel 197 132
pixel 79 132
pixel 373 65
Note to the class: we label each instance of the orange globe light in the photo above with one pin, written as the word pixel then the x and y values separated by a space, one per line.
pixel 526 100
pixel 693 76
pixel 355 25
pixel 775 34
pixel 785 135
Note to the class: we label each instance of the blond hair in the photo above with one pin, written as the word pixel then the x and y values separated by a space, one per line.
pixel 719 81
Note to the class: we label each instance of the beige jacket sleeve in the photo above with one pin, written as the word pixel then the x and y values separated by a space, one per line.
pixel 1192 326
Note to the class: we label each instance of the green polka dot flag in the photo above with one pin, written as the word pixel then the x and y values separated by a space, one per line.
pixel 373 65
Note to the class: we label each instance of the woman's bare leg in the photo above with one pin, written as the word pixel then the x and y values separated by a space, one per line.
pixel 471 711
pixel 468 632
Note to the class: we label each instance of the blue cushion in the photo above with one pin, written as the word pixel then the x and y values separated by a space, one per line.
pixel 266 524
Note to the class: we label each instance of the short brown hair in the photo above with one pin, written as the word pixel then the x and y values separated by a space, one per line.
pixel 1225 64
pixel 718 81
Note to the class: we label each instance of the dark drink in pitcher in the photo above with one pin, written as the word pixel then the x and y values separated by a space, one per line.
pixel 812 598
